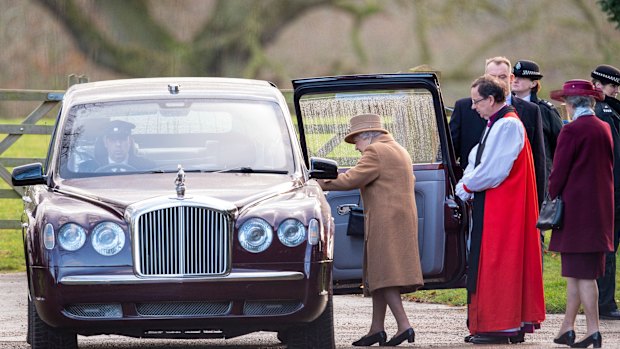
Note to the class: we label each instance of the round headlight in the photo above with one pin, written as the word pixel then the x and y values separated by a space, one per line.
pixel 255 235
pixel 291 232
pixel 108 238
pixel 71 237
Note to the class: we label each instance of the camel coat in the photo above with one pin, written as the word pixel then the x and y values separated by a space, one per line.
pixel 384 175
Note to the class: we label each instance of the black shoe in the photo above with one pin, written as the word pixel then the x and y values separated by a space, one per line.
pixel 468 338
pixel 595 338
pixel 366 341
pixel 609 315
pixel 408 335
pixel 518 338
pixel 485 339
pixel 567 338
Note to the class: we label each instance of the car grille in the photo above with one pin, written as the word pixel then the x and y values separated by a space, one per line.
pixel 183 241
pixel 183 309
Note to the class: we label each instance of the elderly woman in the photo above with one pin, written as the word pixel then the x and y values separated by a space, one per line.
pixel 391 256
pixel 504 279
pixel 583 176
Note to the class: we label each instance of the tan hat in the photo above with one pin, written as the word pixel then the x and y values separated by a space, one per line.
pixel 363 123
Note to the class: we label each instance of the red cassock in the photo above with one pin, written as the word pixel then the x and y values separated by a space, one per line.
pixel 509 287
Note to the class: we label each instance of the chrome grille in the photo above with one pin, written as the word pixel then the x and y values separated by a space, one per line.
pixel 95 311
pixel 183 241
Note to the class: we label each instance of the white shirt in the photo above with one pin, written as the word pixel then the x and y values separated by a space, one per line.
pixel 503 145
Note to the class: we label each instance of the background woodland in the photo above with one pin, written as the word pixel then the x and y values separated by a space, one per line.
pixel 45 40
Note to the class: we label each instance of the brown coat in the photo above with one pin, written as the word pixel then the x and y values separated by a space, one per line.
pixel 384 174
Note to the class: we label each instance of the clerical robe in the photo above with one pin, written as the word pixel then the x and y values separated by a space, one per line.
pixel 505 287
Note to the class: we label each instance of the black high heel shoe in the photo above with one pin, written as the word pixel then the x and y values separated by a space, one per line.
pixel 408 335
pixel 567 338
pixel 366 341
pixel 595 338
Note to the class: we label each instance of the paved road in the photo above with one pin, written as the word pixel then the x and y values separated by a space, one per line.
pixel 436 326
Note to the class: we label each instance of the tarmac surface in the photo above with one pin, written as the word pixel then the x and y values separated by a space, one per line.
pixel 436 326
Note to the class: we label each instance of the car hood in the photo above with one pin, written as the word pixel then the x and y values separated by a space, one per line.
pixel 237 188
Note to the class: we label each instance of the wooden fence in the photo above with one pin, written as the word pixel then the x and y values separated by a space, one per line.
pixel 28 126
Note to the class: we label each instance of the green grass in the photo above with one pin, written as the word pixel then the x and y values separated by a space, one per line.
pixel 554 284
pixel 11 251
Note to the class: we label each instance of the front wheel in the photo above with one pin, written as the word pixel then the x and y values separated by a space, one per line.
pixel 43 336
pixel 316 334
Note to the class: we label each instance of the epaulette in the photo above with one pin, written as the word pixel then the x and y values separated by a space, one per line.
pixel 546 102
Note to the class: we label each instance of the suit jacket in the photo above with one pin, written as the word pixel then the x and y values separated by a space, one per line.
pixel 466 127
pixel 583 174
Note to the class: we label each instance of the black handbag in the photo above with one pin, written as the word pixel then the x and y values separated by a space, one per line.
pixel 356 222
pixel 551 214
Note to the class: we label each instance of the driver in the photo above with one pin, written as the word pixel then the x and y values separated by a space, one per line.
pixel 119 155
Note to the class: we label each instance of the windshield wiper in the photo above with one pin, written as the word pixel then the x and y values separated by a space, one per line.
pixel 244 169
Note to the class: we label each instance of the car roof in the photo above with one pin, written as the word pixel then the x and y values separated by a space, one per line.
pixel 157 88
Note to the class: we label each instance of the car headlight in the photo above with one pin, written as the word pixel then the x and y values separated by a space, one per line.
pixel 71 237
pixel 291 232
pixel 255 235
pixel 49 240
pixel 108 238
pixel 314 232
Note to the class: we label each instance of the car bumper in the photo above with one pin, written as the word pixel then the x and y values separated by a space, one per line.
pixel 118 302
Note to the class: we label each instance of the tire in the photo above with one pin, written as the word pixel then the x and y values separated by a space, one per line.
pixel 43 336
pixel 316 334
pixel 30 318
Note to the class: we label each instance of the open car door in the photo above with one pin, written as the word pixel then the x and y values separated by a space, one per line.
pixel 413 111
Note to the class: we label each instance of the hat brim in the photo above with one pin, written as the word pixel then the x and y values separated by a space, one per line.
pixel 350 138
pixel 559 95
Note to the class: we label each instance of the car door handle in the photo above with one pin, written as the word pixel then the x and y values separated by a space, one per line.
pixel 345 209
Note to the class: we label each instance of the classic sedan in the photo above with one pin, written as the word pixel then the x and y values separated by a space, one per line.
pixel 176 208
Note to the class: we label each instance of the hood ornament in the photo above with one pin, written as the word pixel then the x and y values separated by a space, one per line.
pixel 180 183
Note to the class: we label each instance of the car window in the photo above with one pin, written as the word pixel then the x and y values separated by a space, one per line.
pixel 408 114
pixel 200 135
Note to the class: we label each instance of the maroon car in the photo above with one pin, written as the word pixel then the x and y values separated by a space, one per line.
pixel 186 208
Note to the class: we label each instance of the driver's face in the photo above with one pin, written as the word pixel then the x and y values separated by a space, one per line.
pixel 118 147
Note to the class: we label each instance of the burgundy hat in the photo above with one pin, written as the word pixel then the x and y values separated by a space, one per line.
pixel 577 87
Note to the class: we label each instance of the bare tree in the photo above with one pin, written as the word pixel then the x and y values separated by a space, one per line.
pixel 231 41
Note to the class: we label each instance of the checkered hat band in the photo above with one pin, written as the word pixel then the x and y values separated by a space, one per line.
pixel 608 77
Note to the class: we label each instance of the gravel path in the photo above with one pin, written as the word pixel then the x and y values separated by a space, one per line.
pixel 437 326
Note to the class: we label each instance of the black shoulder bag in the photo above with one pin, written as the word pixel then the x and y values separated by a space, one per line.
pixel 551 214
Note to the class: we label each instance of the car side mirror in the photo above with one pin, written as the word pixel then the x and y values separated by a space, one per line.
pixel 30 174
pixel 323 168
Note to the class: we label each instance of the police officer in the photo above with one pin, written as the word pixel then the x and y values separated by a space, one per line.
pixel 526 85
pixel 607 78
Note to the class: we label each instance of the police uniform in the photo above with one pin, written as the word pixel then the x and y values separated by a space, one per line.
pixel 609 111
pixel 551 119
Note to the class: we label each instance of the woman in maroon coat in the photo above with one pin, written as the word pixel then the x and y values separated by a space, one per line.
pixel 582 175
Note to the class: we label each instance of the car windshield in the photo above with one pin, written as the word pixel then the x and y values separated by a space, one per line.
pixel 157 136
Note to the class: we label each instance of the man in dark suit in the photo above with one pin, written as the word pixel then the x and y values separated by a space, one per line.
pixel 466 125
pixel 607 79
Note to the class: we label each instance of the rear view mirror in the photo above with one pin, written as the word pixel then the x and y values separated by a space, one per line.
pixel 30 174
pixel 323 168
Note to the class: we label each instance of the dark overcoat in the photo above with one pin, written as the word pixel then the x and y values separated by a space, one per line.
pixel 466 127
pixel 583 175
pixel 384 175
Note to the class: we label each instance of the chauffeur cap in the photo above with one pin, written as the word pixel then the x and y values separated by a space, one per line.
pixel 577 87
pixel 527 69
pixel 606 74
pixel 118 128
pixel 363 123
